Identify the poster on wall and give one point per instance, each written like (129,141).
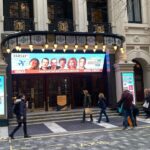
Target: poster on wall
(37,63)
(128,82)
(2,104)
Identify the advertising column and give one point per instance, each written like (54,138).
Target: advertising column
(3,100)
(128,83)
(2,90)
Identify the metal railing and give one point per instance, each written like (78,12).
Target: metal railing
(100,27)
(61,25)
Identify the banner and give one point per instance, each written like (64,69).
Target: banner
(35,63)
(128,82)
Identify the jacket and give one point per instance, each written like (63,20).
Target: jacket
(102,103)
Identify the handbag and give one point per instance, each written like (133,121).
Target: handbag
(88,111)
(120,109)
(146,104)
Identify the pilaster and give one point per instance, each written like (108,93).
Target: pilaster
(41,15)
(80,15)
(1,18)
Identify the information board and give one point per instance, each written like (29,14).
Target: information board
(128,82)
(2,90)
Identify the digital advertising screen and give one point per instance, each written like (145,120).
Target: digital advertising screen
(36,63)
(2,89)
(128,82)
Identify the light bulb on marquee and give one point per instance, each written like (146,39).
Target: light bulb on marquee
(76,46)
(46,46)
(8,50)
(75,50)
(55,46)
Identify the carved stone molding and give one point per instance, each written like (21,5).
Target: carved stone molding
(136,39)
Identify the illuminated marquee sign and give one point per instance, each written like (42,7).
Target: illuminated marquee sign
(37,63)
(2,89)
(128,82)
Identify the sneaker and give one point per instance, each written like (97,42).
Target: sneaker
(82,121)
(11,136)
(125,128)
(27,136)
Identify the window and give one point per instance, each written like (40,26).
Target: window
(134,11)
(17,9)
(19,15)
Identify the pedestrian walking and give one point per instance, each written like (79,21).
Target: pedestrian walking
(135,113)
(102,105)
(87,106)
(126,103)
(146,105)
(20,109)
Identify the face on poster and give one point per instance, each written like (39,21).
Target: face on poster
(30,63)
(128,82)
(2,104)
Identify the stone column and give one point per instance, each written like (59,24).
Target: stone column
(146,76)
(41,15)
(119,68)
(80,15)
(1,18)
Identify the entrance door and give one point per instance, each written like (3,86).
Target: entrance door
(32,86)
(56,86)
(139,87)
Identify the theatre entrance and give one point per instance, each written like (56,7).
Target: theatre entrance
(42,91)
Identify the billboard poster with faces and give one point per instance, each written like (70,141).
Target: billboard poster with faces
(37,63)
(128,82)
(2,89)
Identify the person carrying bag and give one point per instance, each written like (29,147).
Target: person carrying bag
(87,106)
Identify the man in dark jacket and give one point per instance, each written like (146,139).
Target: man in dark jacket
(21,117)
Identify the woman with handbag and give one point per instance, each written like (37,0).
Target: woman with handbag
(86,105)
(146,105)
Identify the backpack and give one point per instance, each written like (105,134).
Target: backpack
(16,108)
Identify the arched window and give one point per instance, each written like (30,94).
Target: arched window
(19,15)
(134,11)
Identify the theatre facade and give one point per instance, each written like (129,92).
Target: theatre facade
(35,68)
(77,45)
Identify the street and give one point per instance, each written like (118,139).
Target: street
(74,135)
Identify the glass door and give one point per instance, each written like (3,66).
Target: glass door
(32,87)
(57,86)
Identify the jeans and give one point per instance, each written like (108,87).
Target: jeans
(128,113)
(19,125)
(103,111)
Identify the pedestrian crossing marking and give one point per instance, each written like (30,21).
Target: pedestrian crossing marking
(103,124)
(143,120)
(54,127)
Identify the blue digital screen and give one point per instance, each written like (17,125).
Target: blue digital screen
(30,63)
(2,89)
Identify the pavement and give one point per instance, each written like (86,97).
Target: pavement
(74,135)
